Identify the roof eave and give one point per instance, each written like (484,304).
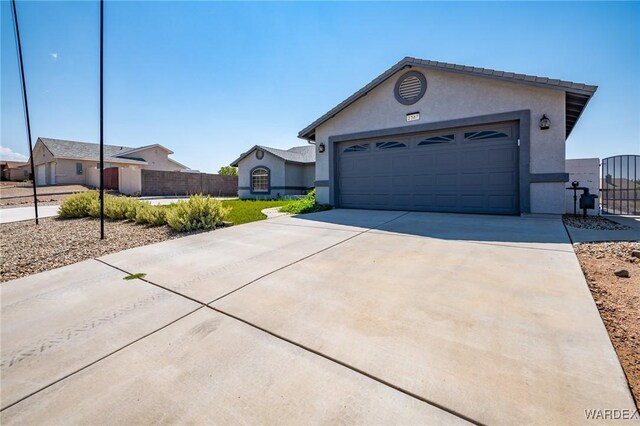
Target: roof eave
(106,160)
(243,156)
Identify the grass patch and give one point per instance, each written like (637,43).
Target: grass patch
(245,211)
(305,205)
(135,276)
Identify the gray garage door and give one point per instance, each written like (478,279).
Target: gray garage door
(468,170)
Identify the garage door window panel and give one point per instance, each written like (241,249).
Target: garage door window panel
(435,140)
(357,148)
(487,135)
(390,145)
(260,179)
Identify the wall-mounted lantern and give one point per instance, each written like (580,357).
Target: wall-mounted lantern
(321,147)
(544,122)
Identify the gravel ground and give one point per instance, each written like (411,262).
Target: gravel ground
(22,196)
(28,249)
(592,222)
(43,200)
(617,299)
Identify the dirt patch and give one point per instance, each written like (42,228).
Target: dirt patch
(21,195)
(28,249)
(617,299)
(592,222)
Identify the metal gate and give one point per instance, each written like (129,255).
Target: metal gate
(620,185)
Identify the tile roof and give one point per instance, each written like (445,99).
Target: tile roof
(578,94)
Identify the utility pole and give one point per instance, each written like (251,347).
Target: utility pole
(26,107)
(101,124)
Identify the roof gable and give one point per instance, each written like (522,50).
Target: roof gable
(577,94)
(305,154)
(143,148)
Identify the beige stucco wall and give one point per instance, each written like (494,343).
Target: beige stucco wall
(18,174)
(453,96)
(130,180)
(157,159)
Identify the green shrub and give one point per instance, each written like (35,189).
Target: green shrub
(197,213)
(305,205)
(78,205)
(150,215)
(121,208)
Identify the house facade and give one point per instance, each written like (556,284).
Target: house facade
(14,170)
(59,161)
(430,136)
(270,173)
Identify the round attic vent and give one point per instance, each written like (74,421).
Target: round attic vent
(410,88)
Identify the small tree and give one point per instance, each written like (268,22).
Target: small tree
(228,170)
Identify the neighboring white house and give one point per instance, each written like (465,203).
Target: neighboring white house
(69,162)
(265,172)
(432,136)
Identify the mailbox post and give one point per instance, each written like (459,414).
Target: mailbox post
(587,200)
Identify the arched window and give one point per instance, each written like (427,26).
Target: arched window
(260,180)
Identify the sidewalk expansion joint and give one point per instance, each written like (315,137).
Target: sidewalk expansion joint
(99,359)
(350,367)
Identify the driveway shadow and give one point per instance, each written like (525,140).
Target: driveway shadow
(448,226)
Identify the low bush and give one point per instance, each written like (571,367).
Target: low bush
(305,205)
(151,215)
(120,208)
(197,213)
(78,205)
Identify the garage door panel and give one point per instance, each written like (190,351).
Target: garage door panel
(401,200)
(356,184)
(502,179)
(502,156)
(424,182)
(447,200)
(475,180)
(473,201)
(447,180)
(445,161)
(479,176)
(399,164)
(506,202)
(402,183)
(381,165)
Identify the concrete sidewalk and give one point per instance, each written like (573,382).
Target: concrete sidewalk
(18,214)
(337,317)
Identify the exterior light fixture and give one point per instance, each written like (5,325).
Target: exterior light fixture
(321,147)
(544,122)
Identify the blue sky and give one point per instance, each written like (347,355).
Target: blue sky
(211,79)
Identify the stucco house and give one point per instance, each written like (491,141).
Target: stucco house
(68,162)
(432,136)
(14,170)
(265,172)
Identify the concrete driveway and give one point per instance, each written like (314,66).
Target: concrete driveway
(337,317)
